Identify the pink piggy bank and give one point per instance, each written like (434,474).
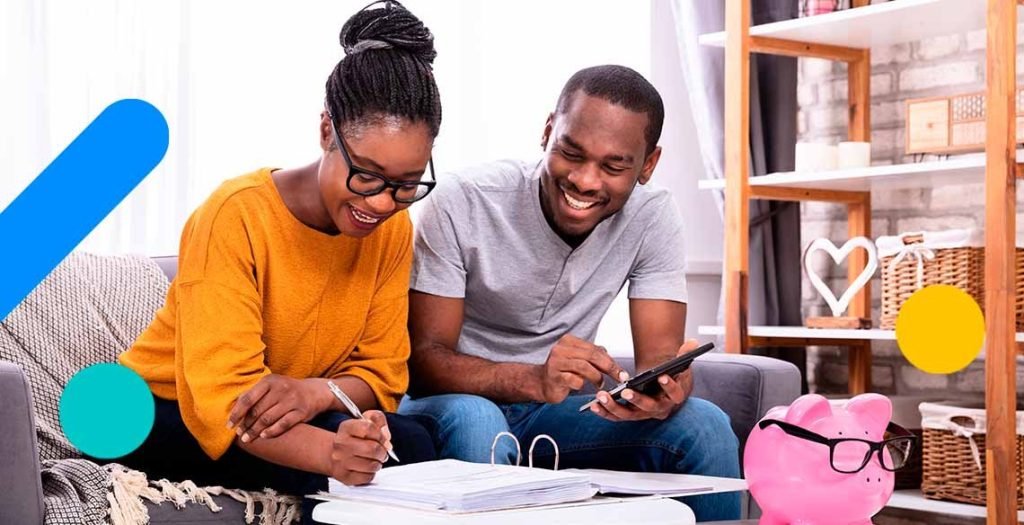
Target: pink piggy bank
(798,480)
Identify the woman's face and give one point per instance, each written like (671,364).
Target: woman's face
(396,148)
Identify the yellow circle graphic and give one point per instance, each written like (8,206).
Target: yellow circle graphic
(940,329)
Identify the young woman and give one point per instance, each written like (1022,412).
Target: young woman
(291,278)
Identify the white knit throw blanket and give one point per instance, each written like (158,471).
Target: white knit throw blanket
(87,311)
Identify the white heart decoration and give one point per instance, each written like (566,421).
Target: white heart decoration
(838,255)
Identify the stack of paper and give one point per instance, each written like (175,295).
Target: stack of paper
(457,486)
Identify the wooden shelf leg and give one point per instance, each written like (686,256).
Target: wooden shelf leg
(859,360)
(859,95)
(858,224)
(1000,233)
(737,167)
(858,220)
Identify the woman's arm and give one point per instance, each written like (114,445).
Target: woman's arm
(278,403)
(353,455)
(303,447)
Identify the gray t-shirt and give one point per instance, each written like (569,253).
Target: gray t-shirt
(482,236)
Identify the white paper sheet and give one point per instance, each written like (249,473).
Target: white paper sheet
(649,483)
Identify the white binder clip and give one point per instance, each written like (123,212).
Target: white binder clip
(519,453)
(553,444)
(494,445)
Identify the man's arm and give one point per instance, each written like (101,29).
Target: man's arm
(434,325)
(659,329)
(436,368)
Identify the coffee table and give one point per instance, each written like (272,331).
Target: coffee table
(647,511)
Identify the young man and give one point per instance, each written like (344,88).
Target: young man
(515,265)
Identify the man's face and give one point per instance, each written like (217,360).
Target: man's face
(594,155)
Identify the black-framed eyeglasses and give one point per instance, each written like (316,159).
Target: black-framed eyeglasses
(851,455)
(368,183)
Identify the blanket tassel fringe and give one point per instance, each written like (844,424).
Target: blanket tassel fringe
(130,487)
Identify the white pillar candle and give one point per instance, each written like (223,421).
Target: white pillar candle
(854,155)
(812,156)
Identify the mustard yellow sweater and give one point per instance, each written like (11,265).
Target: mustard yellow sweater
(258,292)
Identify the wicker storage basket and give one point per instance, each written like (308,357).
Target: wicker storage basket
(1018,295)
(954,453)
(919,261)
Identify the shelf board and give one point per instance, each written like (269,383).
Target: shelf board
(802,332)
(912,499)
(958,170)
(874,26)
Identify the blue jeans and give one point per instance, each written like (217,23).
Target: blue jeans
(697,439)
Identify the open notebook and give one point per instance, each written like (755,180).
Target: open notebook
(454,486)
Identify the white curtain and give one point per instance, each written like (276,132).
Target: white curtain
(703,70)
(63,63)
(241,85)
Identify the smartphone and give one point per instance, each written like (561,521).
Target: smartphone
(647,381)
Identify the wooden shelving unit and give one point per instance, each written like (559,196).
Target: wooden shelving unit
(848,36)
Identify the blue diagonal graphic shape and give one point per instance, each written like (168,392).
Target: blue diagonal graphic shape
(75,192)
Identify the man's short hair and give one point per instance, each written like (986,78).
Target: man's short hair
(621,86)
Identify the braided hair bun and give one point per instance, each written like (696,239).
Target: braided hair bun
(387,70)
(386,27)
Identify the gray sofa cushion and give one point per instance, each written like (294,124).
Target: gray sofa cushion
(169,264)
(21,489)
(745,387)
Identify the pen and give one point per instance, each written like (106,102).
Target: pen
(352,409)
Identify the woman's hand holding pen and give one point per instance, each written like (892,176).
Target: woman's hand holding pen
(360,448)
(274,405)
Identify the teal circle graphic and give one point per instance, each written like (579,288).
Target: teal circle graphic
(106,411)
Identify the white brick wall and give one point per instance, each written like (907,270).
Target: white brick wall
(921,381)
(896,54)
(944,75)
(887,113)
(881,84)
(966,196)
(939,222)
(937,47)
(895,199)
(940,66)
(976,40)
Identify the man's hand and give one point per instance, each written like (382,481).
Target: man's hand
(674,391)
(572,363)
(273,406)
(360,448)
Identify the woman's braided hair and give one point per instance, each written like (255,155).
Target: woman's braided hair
(387,70)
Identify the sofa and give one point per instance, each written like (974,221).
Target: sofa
(744,386)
